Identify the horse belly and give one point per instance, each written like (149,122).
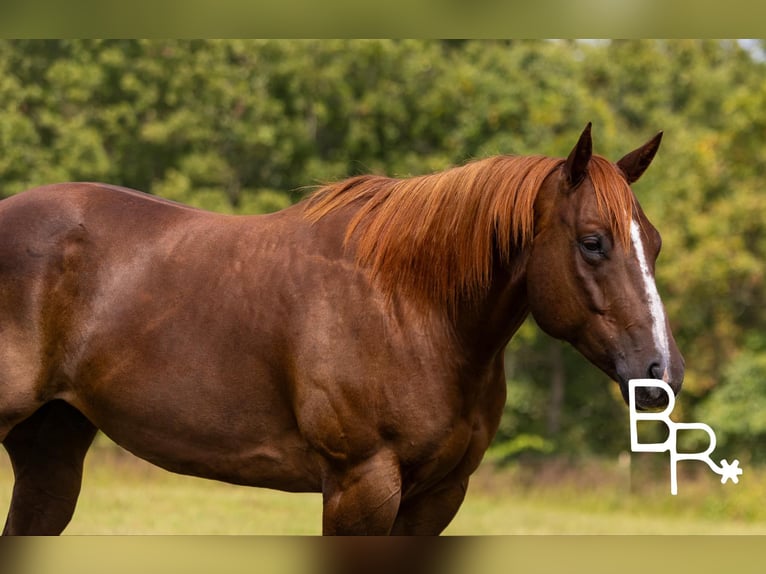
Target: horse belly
(230,437)
(194,394)
(196,388)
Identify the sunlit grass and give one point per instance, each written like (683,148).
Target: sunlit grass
(123,495)
(164,503)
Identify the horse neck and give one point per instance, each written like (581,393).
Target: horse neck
(486,326)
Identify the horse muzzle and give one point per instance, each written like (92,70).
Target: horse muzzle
(649,398)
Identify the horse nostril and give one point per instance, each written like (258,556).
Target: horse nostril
(655,371)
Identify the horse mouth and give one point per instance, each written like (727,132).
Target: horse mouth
(646,398)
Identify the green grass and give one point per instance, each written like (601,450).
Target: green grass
(483,514)
(123,495)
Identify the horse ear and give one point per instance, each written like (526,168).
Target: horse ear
(634,164)
(579,157)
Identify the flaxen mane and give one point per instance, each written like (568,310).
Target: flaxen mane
(433,237)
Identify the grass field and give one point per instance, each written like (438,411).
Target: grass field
(123,495)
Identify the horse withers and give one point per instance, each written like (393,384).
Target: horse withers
(351,344)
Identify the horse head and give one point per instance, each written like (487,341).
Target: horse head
(590,275)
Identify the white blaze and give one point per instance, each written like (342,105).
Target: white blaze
(656,310)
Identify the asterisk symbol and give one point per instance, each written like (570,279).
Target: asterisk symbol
(730,471)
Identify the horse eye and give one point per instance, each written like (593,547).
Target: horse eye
(592,248)
(592,244)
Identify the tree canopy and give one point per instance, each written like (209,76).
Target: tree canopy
(248,126)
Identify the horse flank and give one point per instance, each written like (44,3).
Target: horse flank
(432,237)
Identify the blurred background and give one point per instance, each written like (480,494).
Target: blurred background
(251,126)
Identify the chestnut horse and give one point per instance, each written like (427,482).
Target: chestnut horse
(351,344)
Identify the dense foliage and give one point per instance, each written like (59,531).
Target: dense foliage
(245,126)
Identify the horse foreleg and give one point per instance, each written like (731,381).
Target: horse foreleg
(363,499)
(430,512)
(47,452)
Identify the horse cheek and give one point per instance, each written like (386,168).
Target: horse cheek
(549,289)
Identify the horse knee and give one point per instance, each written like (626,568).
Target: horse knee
(363,499)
